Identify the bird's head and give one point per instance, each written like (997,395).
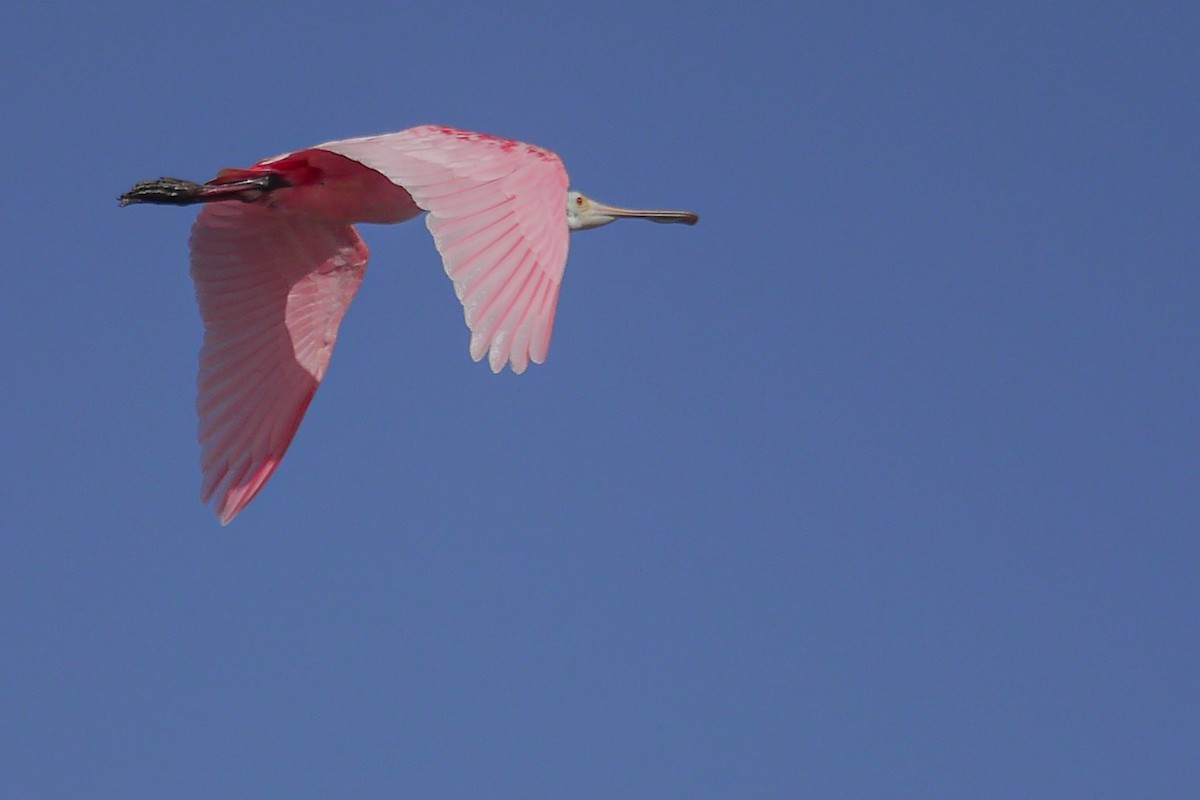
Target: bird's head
(584,213)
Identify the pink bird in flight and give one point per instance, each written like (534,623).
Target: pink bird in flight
(276,261)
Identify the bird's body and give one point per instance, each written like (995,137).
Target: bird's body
(276,261)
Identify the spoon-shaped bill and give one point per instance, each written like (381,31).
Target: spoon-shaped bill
(665,217)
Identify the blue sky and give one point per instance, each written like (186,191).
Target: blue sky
(879,482)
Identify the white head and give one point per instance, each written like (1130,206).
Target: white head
(584,213)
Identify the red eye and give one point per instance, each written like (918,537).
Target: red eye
(578,201)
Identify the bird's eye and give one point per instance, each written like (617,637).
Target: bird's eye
(578,201)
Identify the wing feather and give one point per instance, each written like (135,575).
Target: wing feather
(497,212)
(272,288)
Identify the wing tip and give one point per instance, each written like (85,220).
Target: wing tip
(234,495)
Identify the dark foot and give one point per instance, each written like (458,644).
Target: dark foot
(177,192)
(163,191)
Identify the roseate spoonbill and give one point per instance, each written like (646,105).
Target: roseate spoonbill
(276,261)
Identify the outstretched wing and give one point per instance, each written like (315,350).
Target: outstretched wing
(272,289)
(497,212)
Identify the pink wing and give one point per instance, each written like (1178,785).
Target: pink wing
(272,289)
(497,212)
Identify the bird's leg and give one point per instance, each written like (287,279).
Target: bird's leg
(178,192)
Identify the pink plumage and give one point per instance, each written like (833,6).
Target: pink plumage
(276,261)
